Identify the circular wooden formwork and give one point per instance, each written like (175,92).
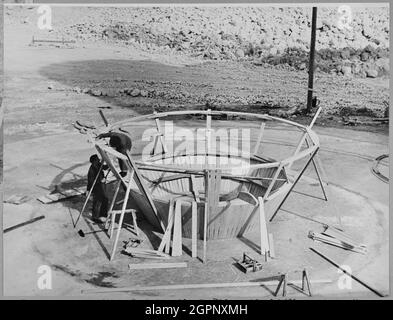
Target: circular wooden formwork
(168,178)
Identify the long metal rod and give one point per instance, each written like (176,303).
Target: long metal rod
(318,175)
(348,273)
(311,61)
(294,184)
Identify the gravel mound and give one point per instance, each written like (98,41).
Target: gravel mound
(272,35)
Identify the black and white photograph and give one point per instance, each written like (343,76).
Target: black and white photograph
(185,151)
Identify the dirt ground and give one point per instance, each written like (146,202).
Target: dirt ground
(42,150)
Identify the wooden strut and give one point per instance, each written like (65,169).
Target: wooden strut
(263,229)
(103,150)
(166,239)
(159,135)
(145,191)
(208,137)
(306,281)
(123,209)
(283,281)
(304,137)
(261,131)
(294,184)
(318,175)
(212,190)
(109,219)
(194,225)
(177,248)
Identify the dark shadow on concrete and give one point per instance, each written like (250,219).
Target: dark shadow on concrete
(111,75)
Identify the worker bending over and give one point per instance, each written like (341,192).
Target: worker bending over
(122,143)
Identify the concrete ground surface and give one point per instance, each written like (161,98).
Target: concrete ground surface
(42,150)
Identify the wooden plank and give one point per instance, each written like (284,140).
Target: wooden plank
(195,188)
(171,178)
(194,225)
(63,194)
(263,227)
(261,131)
(166,238)
(144,266)
(177,248)
(160,134)
(121,220)
(110,211)
(147,256)
(202,286)
(212,191)
(273,182)
(341,236)
(338,243)
(145,191)
(271,246)
(247,197)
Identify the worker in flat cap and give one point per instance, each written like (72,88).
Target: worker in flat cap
(100,199)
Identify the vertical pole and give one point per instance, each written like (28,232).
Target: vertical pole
(311,61)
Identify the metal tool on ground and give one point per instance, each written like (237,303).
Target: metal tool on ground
(248,264)
(348,273)
(23,224)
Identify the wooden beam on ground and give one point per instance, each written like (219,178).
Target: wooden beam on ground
(144,266)
(201,286)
